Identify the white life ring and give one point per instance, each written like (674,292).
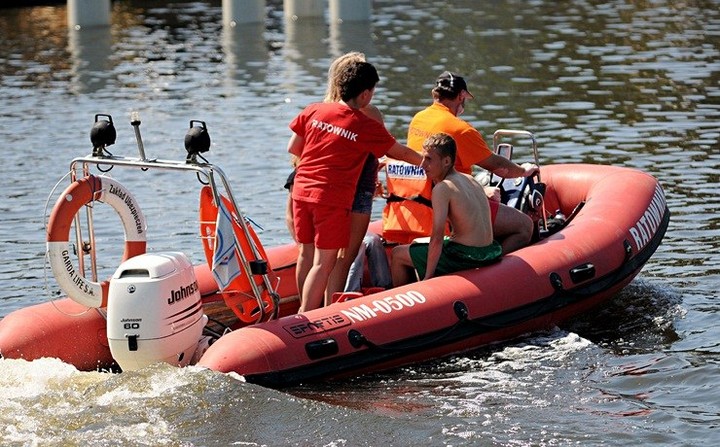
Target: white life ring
(79,193)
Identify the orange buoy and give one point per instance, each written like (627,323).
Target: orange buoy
(78,194)
(238,295)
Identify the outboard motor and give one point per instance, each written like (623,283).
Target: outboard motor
(154,311)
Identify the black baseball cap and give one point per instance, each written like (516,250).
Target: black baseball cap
(452,82)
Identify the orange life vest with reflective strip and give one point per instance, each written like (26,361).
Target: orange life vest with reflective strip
(408,212)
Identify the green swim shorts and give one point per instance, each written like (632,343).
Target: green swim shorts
(454,257)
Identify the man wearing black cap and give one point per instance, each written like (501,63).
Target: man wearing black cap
(512,227)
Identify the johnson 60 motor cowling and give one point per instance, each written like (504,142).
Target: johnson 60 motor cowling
(154,311)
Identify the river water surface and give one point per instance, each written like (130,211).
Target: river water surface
(630,83)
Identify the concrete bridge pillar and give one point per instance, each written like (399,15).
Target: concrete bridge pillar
(243,11)
(88,13)
(298,9)
(350,10)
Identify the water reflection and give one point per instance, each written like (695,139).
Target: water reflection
(32,48)
(352,36)
(306,53)
(246,52)
(90,50)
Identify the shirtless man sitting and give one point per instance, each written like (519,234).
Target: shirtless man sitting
(460,200)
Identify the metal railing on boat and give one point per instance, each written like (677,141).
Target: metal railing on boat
(207,173)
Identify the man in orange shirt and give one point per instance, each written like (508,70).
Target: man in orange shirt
(510,226)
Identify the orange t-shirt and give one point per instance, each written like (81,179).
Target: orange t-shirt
(404,220)
(471,147)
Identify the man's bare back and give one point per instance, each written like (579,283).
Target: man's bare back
(456,199)
(467,209)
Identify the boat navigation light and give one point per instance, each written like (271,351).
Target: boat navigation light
(102,133)
(197,140)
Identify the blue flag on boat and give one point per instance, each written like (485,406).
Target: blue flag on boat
(226,265)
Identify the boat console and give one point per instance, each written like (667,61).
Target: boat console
(526,194)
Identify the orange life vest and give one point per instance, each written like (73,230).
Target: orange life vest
(408,212)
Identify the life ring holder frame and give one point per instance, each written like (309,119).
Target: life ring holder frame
(82,192)
(197,141)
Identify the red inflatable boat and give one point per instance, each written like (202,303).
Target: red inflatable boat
(156,306)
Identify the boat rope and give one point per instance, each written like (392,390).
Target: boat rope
(53,294)
(560,298)
(212,332)
(357,339)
